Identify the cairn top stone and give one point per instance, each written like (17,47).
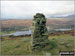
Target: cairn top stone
(39,15)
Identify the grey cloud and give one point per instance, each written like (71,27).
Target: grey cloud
(26,9)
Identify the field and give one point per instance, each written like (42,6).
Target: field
(63,41)
(22,46)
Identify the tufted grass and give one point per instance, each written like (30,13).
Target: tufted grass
(22,46)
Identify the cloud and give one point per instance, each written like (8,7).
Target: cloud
(26,9)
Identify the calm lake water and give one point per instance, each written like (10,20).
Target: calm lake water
(18,33)
(62,29)
(29,32)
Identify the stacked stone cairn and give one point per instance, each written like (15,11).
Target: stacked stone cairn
(39,32)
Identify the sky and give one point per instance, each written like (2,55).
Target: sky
(27,9)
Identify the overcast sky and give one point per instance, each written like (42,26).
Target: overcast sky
(27,9)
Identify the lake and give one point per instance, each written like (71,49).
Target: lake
(29,32)
(62,29)
(19,33)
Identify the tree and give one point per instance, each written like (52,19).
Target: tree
(39,32)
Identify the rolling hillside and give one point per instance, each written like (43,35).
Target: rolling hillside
(27,23)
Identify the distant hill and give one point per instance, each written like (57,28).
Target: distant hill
(52,23)
(63,16)
(70,16)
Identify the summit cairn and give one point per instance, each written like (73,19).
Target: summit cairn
(39,32)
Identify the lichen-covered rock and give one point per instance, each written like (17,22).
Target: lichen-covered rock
(39,30)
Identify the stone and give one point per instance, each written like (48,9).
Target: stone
(39,32)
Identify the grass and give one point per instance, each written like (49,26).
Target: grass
(5,32)
(22,46)
(64,43)
(1,33)
(12,46)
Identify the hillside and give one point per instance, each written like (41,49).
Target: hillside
(53,23)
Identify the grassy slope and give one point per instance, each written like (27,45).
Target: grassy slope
(64,43)
(22,45)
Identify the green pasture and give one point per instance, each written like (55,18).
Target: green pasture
(22,46)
